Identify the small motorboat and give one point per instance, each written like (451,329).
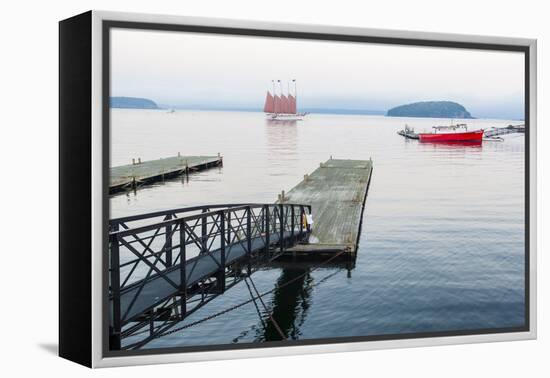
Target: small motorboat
(452,133)
(408,132)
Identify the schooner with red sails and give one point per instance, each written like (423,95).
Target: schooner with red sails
(281,107)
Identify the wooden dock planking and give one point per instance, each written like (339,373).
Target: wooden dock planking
(337,192)
(146,172)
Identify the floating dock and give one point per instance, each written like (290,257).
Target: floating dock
(146,172)
(337,192)
(510,129)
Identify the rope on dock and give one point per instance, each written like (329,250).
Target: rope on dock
(239,305)
(279,330)
(255,304)
(308,286)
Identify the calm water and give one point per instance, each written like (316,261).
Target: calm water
(443,230)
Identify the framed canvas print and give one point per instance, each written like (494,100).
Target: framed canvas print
(232,189)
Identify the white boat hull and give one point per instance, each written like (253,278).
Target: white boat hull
(286,117)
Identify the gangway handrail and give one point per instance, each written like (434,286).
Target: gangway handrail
(131,218)
(191,255)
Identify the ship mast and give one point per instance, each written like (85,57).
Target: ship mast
(281,108)
(295,97)
(288,88)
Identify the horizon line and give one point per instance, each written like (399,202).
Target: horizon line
(335,111)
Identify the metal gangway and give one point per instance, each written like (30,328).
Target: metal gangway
(163,266)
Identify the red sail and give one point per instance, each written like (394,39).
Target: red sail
(277,104)
(292,104)
(269,106)
(285,108)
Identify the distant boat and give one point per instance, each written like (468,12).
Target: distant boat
(452,133)
(282,107)
(408,132)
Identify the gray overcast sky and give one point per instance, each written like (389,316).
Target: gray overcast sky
(187,69)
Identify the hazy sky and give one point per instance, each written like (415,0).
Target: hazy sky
(201,70)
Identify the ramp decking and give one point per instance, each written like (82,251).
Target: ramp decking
(337,193)
(146,172)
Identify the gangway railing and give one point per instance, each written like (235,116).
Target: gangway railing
(165,265)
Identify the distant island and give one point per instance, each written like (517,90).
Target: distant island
(133,103)
(430,109)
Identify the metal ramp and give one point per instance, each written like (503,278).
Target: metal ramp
(166,265)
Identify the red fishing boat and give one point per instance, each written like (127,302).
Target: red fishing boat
(452,133)
(280,107)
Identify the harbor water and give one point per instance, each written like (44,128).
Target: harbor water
(443,236)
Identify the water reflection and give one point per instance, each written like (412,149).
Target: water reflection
(281,122)
(282,137)
(289,305)
(455,144)
(292,299)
